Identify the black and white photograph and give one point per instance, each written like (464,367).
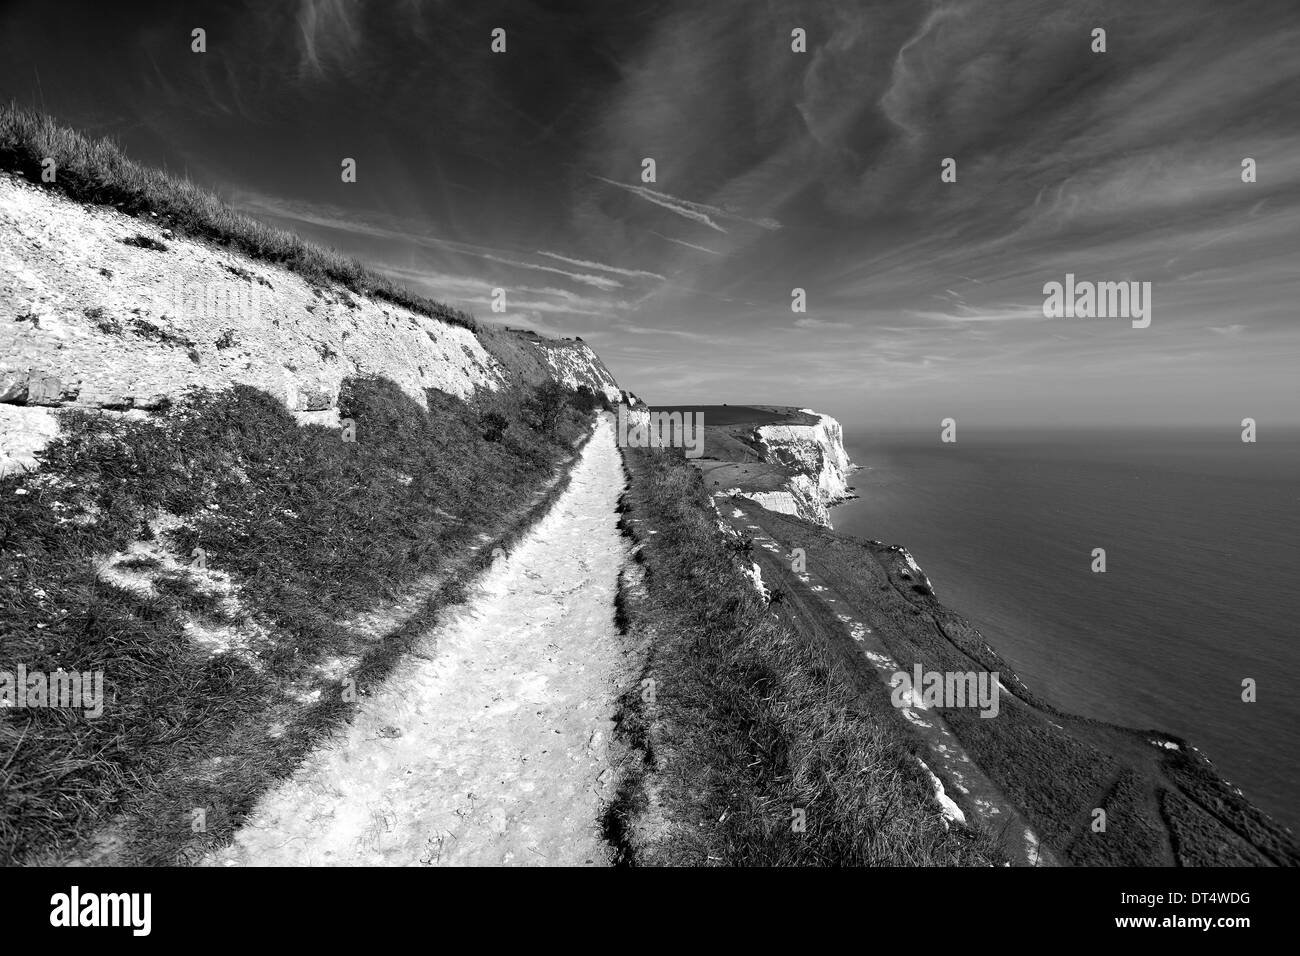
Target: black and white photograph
(840,435)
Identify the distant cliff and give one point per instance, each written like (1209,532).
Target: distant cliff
(789,460)
(811,448)
(816,452)
(800,497)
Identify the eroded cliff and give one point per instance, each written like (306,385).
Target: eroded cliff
(816,452)
(804,466)
(104,311)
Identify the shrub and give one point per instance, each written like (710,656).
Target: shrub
(494,425)
(545,407)
(586,401)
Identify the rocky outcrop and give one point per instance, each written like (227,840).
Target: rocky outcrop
(814,450)
(800,498)
(573,363)
(816,453)
(99,310)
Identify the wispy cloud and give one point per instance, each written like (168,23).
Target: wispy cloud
(588,264)
(669,333)
(476,292)
(966,314)
(819,171)
(596,282)
(683,242)
(327,31)
(695,211)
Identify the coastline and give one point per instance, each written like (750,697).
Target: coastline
(1184,611)
(1165,800)
(1155,777)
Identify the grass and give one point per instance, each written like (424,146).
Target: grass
(306,532)
(1163,806)
(98,171)
(748,722)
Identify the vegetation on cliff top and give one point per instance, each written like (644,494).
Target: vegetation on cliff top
(98,171)
(751,748)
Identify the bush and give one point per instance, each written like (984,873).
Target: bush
(494,425)
(545,407)
(586,401)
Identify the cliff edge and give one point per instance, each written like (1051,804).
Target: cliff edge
(816,453)
(789,460)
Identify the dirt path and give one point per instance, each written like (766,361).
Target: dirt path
(490,745)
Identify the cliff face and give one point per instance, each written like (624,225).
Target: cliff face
(574,363)
(816,453)
(815,450)
(104,311)
(800,498)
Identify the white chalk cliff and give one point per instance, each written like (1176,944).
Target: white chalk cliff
(574,364)
(816,452)
(89,319)
(799,498)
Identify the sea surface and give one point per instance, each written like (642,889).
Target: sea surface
(1201,589)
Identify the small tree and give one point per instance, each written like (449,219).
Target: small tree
(546,407)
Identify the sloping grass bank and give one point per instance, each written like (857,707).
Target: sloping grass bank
(217,564)
(1165,805)
(747,746)
(97,171)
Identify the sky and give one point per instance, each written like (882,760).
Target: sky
(774,170)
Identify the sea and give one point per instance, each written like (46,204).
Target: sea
(1201,588)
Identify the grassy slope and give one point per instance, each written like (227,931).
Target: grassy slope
(1162,805)
(311,531)
(97,171)
(749,721)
